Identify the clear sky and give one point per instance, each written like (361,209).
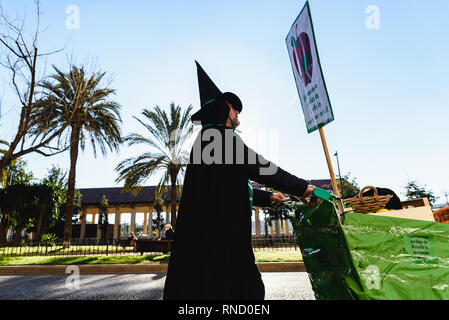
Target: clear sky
(388,87)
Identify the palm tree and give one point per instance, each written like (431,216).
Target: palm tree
(167,135)
(80,100)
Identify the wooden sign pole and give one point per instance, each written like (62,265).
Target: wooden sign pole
(323,141)
(329,165)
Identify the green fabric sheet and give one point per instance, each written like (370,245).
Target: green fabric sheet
(399,258)
(372,257)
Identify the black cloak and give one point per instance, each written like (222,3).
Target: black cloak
(212,256)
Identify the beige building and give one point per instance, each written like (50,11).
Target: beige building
(121,205)
(124,209)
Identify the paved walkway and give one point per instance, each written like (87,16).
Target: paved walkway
(278,285)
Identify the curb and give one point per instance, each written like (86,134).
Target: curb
(130,268)
(281,266)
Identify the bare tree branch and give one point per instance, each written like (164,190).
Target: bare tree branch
(22,58)
(53,153)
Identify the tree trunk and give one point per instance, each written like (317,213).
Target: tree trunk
(6,159)
(158,224)
(173,199)
(4,229)
(74,142)
(4,163)
(104,226)
(18,231)
(40,222)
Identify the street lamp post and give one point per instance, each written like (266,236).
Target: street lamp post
(339,174)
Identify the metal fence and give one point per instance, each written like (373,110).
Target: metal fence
(77,248)
(85,247)
(275,243)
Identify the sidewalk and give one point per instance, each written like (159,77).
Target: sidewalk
(131,268)
(143,287)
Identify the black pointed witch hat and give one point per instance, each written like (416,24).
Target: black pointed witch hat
(208,89)
(213,106)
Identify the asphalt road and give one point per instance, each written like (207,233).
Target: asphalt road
(278,286)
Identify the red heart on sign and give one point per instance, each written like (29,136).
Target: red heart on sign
(302,56)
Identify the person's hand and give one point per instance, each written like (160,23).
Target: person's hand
(308,191)
(307,194)
(277,197)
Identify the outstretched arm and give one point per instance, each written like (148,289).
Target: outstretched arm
(267,173)
(261,198)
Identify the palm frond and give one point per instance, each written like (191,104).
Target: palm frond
(167,134)
(78,98)
(135,171)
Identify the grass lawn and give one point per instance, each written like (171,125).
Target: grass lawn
(64,260)
(261,256)
(278,256)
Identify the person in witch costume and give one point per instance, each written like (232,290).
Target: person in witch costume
(212,255)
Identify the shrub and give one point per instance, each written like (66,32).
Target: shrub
(49,239)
